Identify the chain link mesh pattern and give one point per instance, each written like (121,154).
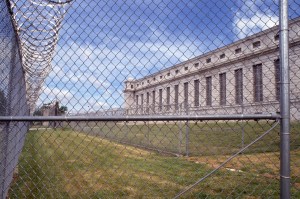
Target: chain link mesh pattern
(135,76)
(12,101)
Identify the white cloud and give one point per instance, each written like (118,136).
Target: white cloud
(94,73)
(252,18)
(92,76)
(58,93)
(89,105)
(51,94)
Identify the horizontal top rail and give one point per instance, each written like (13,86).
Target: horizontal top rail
(272,116)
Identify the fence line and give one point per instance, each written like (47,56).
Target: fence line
(273,116)
(212,81)
(225,162)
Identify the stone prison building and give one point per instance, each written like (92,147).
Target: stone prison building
(242,77)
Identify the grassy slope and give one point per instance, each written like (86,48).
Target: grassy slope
(68,164)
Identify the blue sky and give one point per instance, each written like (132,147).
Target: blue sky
(103,43)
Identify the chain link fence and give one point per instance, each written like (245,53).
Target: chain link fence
(149,99)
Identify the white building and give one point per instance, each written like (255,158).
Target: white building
(242,77)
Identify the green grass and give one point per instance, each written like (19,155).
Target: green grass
(203,138)
(71,164)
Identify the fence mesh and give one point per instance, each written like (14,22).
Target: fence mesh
(12,100)
(141,99)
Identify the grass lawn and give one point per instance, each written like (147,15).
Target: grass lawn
(195,139)
(71,164)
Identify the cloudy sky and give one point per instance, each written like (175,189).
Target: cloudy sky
(102,43)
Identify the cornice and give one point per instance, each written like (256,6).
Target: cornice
(245,57)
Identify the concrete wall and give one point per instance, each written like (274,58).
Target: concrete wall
(198,69)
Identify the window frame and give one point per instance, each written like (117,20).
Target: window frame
(239,86)
(208,91)
(256,44)
(196,92)
(257,82)
(222,82)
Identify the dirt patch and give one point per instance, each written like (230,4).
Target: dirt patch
(264,163)
(155,179)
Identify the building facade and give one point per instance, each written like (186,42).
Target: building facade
(242,77)
(51,109)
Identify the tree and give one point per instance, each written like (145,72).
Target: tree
(63,109)
(58,110)
(38,112)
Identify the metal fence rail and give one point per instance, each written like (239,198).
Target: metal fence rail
(158,99)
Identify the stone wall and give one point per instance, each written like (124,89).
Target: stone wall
(243,54)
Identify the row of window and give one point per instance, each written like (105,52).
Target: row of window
(238,75)
(255,44)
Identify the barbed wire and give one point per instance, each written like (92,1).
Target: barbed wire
(37,24)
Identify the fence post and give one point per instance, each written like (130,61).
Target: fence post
(126,130)
(187,130)
(243,125)
(147,133)
(187,140)
(180,138)
(284,102)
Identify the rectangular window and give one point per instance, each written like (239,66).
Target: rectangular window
(257,83)
(153,100)
(208,91)
(256,44)
(186,68)
(238,50)
(208,60)
(222,78)
(196,65)
(238,74)
(196,92)
(147,102)
(277,79)
(148,99)
(160,100)
(186,94)
(222,56)
(168,98)
(176,88)
(142,101)
(276,37)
